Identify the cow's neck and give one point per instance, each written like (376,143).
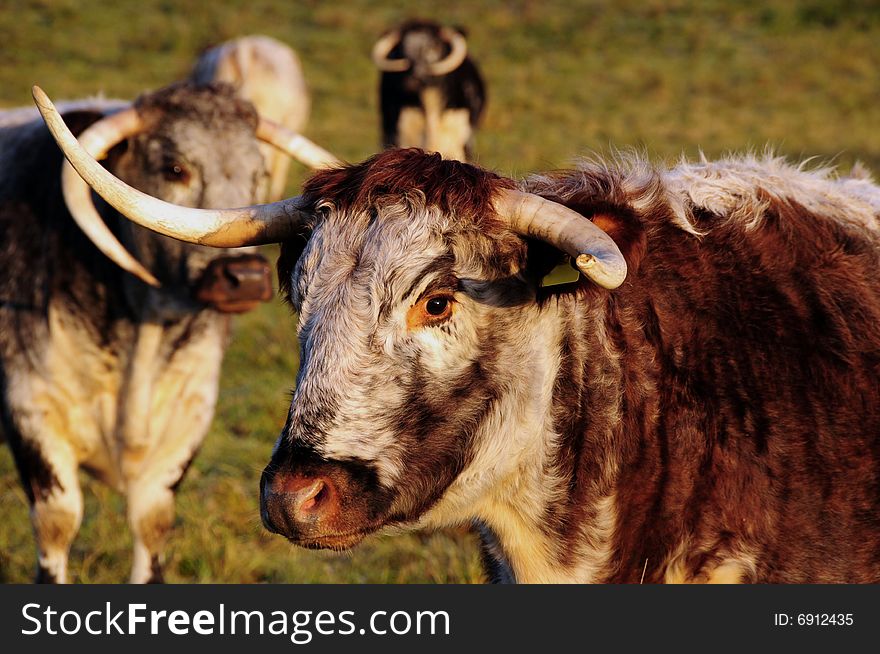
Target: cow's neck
(553,507)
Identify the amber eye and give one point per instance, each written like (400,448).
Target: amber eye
(430,312)
(437,306)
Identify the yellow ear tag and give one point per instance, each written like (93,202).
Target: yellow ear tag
(564,273)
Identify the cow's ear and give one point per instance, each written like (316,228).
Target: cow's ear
(116,153)
(291,250)
(627,232)
(80,120)
(553,267)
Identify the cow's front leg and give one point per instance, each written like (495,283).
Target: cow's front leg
(151,502)
(49,474)
(151,493)
(181,408)
(151,517)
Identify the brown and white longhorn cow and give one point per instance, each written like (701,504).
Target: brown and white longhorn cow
(704,406)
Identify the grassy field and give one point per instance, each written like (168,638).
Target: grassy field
(565,77)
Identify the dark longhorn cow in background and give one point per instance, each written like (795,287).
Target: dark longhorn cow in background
(100,369)
(431,93)
(703,406)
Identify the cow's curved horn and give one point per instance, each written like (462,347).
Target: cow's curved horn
(97,141)
(456,55)
(223,228)
(295,145)
(593,251)
(380,54)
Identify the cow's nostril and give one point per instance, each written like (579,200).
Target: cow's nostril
(312,498)
(296,504)
(232,277)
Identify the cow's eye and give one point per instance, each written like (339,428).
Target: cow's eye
(437,306)
(174,171)
(430,311)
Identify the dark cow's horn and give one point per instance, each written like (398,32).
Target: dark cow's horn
(97,141)
(380,54)
(223,228)
(456,56)
(295,145)
(593,251)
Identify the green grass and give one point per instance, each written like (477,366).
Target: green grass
(565,77)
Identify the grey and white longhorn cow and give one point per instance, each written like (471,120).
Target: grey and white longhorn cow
(114,372)
(703,406)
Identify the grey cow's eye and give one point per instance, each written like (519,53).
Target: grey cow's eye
(175,172)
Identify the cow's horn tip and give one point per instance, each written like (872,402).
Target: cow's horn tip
(39,95)
(608,277)
(149,279)
(585,262)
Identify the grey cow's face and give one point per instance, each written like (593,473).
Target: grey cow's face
(189,163)
(193,164)
(406,326)
(198,149)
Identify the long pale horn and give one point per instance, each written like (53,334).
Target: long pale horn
(593,251)
(380,54)
(456,55)
(295,145)
(222,228)
(97,141)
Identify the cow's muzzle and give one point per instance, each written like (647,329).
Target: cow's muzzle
(317,506)
(235,284)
